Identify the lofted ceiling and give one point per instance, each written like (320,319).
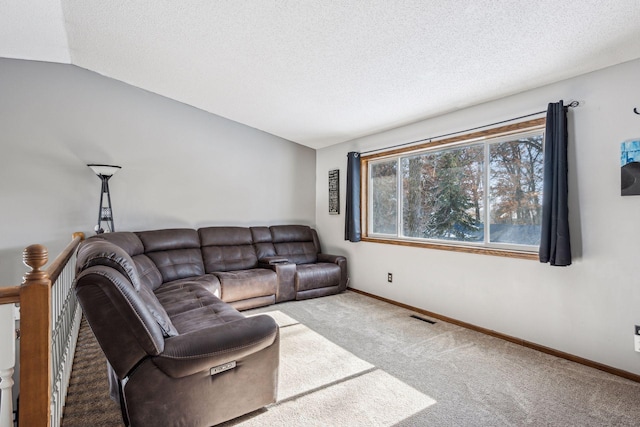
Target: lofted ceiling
(320,72)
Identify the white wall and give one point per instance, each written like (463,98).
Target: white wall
(181,167)
(588,309)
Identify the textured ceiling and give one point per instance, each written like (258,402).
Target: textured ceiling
(322,72)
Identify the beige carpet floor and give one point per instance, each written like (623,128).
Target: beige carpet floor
(88,402)
(349,360)
(322,384)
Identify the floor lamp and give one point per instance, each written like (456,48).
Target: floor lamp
(105,213)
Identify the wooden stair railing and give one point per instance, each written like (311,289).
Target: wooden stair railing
(34,297)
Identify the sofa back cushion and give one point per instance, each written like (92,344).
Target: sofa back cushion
(295,242)
(157,312)
(100,252)
(175,252)
(118,316)
(227,249)
(262,242)
(148,273)
(127,240)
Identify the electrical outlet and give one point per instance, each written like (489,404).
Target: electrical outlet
(389,277)
(636,342)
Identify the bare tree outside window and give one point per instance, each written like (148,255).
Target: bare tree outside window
(516,190)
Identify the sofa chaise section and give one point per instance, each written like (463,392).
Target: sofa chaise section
(189,360)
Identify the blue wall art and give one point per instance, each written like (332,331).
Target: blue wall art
(630,168)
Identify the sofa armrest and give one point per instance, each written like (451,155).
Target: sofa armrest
(286,272)
(271,260)
(206,348)
(334,259)
(342,263)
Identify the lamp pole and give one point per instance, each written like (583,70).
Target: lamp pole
(105,213)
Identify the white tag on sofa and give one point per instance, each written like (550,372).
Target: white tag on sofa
(221,368)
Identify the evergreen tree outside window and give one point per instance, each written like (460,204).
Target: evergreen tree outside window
(442,193)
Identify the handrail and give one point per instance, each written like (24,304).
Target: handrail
(10,295)
(58,264)
(35,330)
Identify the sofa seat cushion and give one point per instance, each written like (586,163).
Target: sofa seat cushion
(211,312)
(313,276)
(187,294)
(244,284)
(191,304)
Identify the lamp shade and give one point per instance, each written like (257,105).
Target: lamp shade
(104,170)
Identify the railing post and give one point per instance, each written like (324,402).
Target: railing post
(35,340)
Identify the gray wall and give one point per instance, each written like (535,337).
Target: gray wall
(181,167)
(588,309)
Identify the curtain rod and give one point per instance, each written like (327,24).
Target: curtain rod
(573,104)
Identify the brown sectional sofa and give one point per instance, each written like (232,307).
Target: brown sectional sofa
(164,304)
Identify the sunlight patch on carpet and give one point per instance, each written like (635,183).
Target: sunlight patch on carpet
(281,319)
(321,384)
(373,399)
(309,361)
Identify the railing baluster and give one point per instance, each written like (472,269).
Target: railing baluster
(7,363)
(65,326)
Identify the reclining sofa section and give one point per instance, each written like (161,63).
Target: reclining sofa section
(163,307)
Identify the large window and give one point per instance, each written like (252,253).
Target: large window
(481,191)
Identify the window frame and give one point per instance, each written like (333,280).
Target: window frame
(496,249)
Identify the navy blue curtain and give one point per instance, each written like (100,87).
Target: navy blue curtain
(352,218)
(555,245)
